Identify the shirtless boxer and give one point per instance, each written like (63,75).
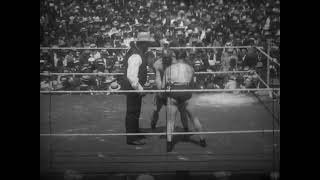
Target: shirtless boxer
(160,99)
(179,76)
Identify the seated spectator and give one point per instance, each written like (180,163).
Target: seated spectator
(104,23)
(232,84)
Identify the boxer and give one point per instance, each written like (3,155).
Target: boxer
(160,99)
(179,75)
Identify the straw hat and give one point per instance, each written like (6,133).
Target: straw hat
(144,36)
(114,86)
(109,79)
(93,45)
(153,15)
(115,23)
(259,65)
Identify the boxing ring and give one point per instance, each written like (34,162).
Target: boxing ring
(84,132)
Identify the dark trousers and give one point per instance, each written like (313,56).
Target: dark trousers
(133,113)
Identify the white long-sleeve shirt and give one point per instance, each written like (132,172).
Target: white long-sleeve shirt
(134,62)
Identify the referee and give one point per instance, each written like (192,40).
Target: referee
(135,64)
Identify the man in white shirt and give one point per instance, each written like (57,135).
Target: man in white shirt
(135,77)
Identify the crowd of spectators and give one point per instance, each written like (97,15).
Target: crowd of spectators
(178,23)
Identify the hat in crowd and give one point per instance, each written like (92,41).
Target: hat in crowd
(99,6)
(91,59)
(144,36)
(100,61)
(107,26)
(182,4)
(266,33)
(153,15)
(122,25)
(259,65)
(189,31)
(93,46)
(179,32)
(114,86)
(195,31)
(181,12)
(84,68)
(115,23)
(243,32)
(248,20)
(232,77)
(109,79)
(197,63)
(165,41)
(63,78)
(84,87)
(85,78)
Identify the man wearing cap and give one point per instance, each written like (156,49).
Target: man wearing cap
(135,77)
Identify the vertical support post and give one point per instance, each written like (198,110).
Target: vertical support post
(268,65)
(268,62)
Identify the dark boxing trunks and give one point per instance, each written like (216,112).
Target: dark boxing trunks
(180,97)
(161,99)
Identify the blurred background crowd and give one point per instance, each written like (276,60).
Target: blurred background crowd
(176,23)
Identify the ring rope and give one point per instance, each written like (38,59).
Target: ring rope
(164,133)
(222,72)
(164,90)
(156,48)
(266,84)
(268,56)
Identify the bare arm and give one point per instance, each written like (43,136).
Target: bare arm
(165,78)
(158,69)
(158,79)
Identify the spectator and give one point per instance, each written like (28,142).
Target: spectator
(115,24)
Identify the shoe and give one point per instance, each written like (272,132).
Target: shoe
(136,142)
(203,143)
(169,146)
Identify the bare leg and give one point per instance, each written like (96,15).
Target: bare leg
(196,122)
(172,110)
(184,117)
(155,114)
